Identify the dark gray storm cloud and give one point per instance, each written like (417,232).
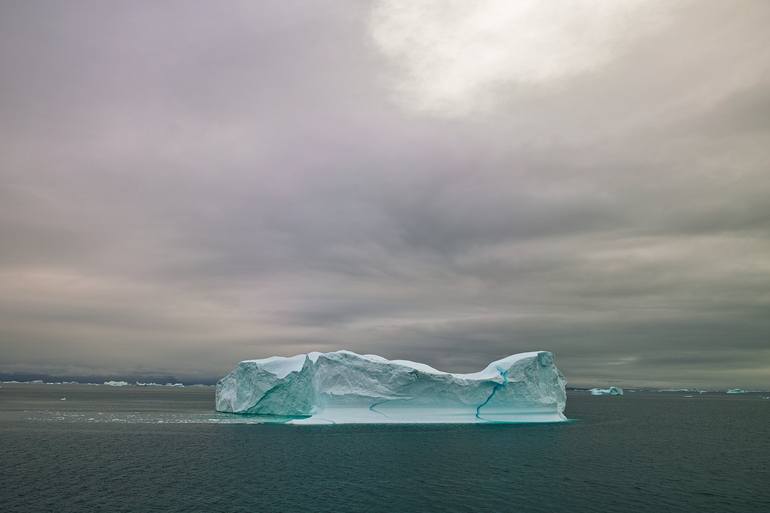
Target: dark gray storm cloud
(187,184)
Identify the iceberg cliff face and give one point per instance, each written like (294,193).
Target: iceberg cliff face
(345,387)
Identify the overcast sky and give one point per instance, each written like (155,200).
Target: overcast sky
(184,185)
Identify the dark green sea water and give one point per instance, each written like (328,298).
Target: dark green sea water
(136,449)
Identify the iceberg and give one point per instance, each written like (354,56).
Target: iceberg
(736,391)
(116,383)
(607,391)
(153,384)
(345,387)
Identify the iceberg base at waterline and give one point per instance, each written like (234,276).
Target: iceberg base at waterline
(343,387)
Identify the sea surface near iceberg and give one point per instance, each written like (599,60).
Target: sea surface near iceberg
(145,449)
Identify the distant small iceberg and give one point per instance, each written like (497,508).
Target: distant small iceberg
(116,383)
(607,391)
(736,391)
(153,384)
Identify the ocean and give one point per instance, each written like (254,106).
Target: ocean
(162,449)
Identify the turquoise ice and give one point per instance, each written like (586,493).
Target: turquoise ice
(345,387)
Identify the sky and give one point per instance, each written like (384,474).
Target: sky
(184,185)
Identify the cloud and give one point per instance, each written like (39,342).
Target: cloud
(452,56)
(182,187)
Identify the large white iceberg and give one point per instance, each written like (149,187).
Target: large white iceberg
(345,387)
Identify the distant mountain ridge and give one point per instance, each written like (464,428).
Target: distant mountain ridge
(101,378)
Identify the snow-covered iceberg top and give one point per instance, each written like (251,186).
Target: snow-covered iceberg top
(607,391)
(345,387)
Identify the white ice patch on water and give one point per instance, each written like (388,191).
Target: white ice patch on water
(607,391)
